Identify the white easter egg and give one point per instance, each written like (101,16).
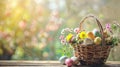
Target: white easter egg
(75,60)
(88,41)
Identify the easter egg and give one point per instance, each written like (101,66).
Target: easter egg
(75,60)
(69,62)
(88,41)
(96,33)
(62,59)
(97,40)
(90,35)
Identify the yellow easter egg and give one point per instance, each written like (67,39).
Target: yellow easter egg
(97,40)
(90,35)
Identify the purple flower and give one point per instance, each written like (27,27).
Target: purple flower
(108,27)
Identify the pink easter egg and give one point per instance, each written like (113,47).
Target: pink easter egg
(69,62)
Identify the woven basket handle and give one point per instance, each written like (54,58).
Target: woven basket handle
(99,25)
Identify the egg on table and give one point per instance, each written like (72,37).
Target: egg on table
(75,60)
(62,59)
(69,62)
(97,40)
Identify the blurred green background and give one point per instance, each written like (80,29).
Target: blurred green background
(30,29)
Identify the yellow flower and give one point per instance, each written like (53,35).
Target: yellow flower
(83,35)
(68,37)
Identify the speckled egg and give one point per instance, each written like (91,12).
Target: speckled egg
(62,59)
(75,60)
(88,41)
(96,33)
(69,62)
(97,40)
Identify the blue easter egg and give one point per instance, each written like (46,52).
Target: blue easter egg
(62,59)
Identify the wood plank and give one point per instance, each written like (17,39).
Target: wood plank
(31,63)
(48,64)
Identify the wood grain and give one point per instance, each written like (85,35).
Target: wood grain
(23,63)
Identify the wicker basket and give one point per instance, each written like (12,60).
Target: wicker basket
(92,54)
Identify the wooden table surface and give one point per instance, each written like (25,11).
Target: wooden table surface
(4,63)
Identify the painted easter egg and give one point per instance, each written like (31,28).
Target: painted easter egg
(90,35)
(97,40)
(88,41)
(69,62)
(62,59)
(96,33)
(75,60)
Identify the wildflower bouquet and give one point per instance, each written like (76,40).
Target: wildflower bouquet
(89,47)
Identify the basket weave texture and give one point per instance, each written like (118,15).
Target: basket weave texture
(92,54)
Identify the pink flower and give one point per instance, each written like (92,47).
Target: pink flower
(108,27)
(63,41)
(76,30)
(61,37)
